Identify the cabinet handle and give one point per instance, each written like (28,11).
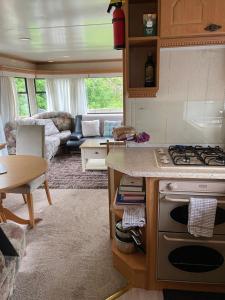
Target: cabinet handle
(96,152)
(213,27)
(197,241)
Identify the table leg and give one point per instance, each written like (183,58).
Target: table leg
(6,214)
(2,215)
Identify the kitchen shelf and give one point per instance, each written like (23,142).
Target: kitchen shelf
(142,92)
(142,40)
(138,47)
(132,266)
(135,261)
(117,212)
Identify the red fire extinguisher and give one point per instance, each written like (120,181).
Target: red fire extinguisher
(118,24)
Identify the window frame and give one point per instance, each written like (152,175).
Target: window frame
(107,111)
(24,93)
(39,93)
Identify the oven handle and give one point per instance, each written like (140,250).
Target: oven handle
(169,239)
(177,200)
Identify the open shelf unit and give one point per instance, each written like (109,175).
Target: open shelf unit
(132,266)
(138,46)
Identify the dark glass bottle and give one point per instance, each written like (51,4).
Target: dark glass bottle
(149,71)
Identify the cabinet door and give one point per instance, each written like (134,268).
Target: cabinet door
(183,18)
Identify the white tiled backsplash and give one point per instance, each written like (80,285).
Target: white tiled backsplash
(189,107)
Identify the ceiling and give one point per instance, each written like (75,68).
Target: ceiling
(59,30)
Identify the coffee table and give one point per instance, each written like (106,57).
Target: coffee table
(93,154)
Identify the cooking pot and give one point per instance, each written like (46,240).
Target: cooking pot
(130,234)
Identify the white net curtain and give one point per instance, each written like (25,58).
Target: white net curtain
(67,95)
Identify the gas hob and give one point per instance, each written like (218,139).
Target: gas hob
(190,156)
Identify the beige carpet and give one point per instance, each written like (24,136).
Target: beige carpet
(68,253)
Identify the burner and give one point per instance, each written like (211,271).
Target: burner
(220,159)
(197,155)
(186,159)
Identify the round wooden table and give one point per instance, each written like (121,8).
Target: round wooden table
(21,169)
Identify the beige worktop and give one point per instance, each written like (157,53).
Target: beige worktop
(141,162)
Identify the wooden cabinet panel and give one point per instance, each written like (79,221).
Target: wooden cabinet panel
(185,18)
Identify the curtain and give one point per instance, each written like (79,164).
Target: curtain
(4,151)
(8,99)
(78,96)
(67,95)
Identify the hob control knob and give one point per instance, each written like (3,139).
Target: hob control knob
(171,186)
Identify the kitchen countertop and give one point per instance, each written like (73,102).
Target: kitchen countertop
(141,162)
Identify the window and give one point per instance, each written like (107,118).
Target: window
(40,90)
(23,99)
(104,94)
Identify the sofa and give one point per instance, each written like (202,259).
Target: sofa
(64,123)
(77,137)
(9,264)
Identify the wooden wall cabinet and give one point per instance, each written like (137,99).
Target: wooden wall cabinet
(189,18)
(179,23)
(138,46)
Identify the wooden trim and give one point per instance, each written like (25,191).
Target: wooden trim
(17,70)
(79,71)
(151,238)
(195,41)
(78,61)
(124,88)
(19,58)
(15,57)
(58,72)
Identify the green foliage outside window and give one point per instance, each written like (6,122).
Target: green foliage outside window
(23,103)
(105,93)
(41,98)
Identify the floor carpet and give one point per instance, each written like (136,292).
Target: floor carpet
(65,172)
(68,254)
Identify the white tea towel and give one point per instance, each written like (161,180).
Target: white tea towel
(201,216)
(133,217)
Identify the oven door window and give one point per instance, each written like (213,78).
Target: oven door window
(195,259)
(180,215)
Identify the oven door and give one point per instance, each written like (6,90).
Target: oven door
(173,213)
(184,258)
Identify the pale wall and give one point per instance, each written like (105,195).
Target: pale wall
(189,107)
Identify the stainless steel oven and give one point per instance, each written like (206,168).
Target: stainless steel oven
(182,257)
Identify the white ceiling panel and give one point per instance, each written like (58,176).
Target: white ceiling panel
(81,30)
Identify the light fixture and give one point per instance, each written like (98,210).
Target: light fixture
(24,38)
(50,61)
(66,56)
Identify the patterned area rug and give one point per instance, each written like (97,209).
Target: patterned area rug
(65,172)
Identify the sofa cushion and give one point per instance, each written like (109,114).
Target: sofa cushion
(76,136)
(50,128)
(62,123)
(26,121)
(2,262)
(108,127)
(64,136)
(52,143)
(90,128)
(102,118)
